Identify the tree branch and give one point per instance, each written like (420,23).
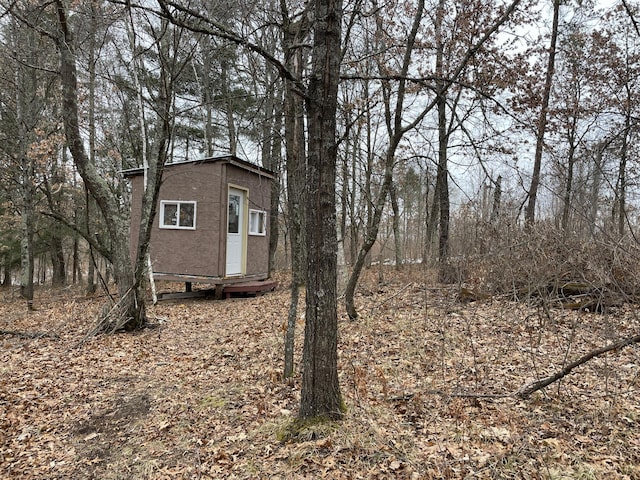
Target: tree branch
(105,252)
(527,390)
(209,26)
(631,16)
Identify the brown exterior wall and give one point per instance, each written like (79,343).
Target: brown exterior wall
(259,198)
(201,252)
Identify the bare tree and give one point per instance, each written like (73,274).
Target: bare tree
(396,88)
(129,312)
(541,127)
(294,35)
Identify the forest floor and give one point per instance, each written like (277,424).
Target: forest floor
(428,383)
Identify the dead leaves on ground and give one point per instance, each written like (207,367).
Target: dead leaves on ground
(200,396)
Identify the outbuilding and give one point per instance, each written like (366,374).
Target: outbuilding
(211,223)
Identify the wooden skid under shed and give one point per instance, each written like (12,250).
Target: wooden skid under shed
(250,287)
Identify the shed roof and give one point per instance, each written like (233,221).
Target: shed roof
(231,159)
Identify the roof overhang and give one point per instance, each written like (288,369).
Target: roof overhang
(230,159)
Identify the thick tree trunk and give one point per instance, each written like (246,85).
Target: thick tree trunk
(443,191)
(320,396)
(432,220)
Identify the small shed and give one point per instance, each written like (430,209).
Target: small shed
(211,222)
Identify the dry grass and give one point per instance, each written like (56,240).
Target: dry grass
(426,381)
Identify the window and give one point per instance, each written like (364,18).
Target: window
(257,222)
(233,221)
(178,215)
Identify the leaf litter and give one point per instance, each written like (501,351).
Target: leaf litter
(428,382)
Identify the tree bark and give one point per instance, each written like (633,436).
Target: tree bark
(397,240)
(530,210)
(131,308)
(620,217)
(27,234)
(295,34)
(271,155)
(497,197)
(320,396)
(26,182)
(442,177)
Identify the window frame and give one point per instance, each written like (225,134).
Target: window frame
(177,203)
(263,231)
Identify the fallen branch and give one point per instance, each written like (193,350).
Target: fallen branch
(29,334)
(527,390)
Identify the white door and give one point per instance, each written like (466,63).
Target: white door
(235,232)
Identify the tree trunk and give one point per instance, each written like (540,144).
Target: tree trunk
(432,219)
(620,218)
(56,247)
(59,274)
(26,241)
(397,240)
(596,181)
(530,210)
(226,91)
(320,396)
(27,182)
(371,234)
(272,157)
(443,191)
(294,36)
(442,177)
(131,307)
(568,189)
(497,196)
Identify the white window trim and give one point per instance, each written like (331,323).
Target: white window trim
(263,233)
(163,203)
